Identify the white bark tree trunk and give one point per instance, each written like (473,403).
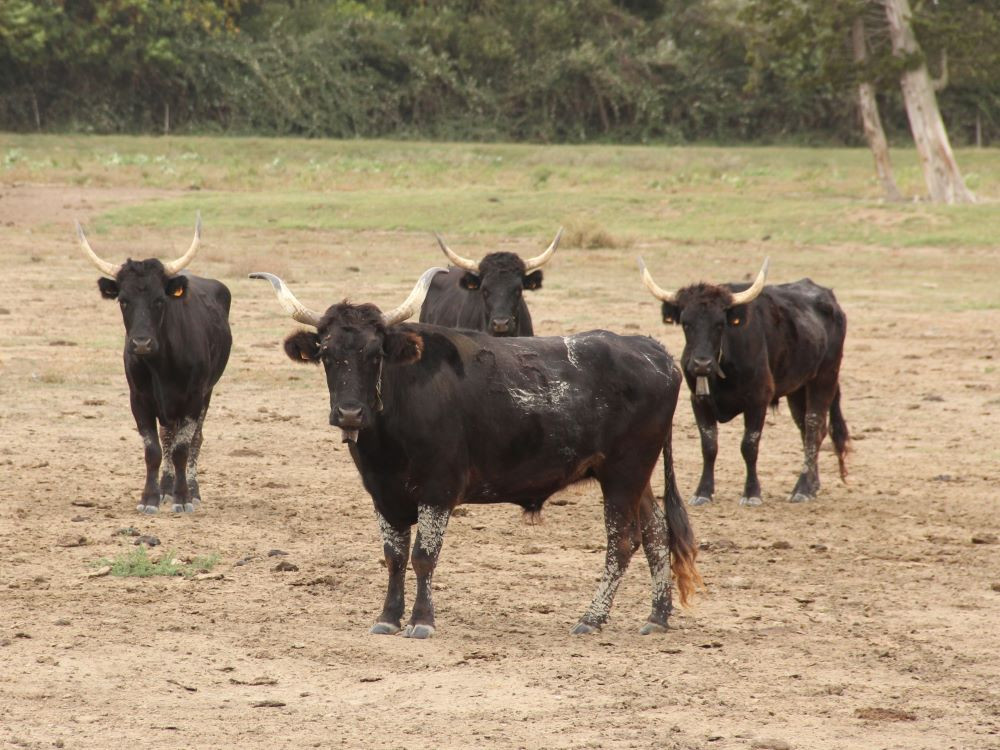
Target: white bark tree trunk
(868,107)
(941,173)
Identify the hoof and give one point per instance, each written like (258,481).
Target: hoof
(183,508)
(652,627)
(801,497)
(384,628)
(700,500)
(147,508)
(583,628)
(751,502)
(418,631)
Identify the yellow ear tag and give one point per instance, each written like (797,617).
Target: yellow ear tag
(178,292)
(736,321)
(304,356)
(668,319)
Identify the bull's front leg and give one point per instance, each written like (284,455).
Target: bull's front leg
(753,425)
(708,430)
(396,547)
(145,421)
(431,524)
(180,450)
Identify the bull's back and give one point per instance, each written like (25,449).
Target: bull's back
(805,332)
(201,335)
(448,304)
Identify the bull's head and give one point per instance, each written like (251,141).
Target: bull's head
(353,342)
(501,278)
(143,289)
(704,311)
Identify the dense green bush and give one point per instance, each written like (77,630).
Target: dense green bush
(573,70)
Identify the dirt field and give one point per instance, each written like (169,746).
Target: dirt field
(867,619)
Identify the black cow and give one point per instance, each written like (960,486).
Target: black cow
(745,347)
(486,296)
(177,343)
(436,417)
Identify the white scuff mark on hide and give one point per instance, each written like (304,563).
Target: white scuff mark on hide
(391,538)
(570,343)
(550,397)
(431,525)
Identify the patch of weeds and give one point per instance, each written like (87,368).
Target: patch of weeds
(137,564)
(589,235)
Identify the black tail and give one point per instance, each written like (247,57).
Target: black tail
(839,434)
(683,549)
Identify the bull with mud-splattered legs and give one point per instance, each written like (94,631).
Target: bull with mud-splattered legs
(436,417)
(177,343)
(746,346)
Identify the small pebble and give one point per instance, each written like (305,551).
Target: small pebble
(285,566)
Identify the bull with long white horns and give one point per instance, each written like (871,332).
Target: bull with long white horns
(177,343)
(435,417)
(486,295)
(747,346)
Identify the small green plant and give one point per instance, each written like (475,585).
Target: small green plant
(137,564)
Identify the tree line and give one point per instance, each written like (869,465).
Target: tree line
(538,70)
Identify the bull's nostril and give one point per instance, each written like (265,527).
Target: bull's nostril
(500,325)
(346,417)
(142,345)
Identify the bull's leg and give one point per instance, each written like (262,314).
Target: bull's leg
(753,425)
(620,519)
(192,463)
(813,431)
(396,547)
(145,421)
(431,524)
(709,431)
(179,455)
(167,432)
(653,524)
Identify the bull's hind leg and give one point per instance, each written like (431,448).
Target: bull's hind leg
(396,547)
(431,524)
(620,521)
(809,406)
(179,453)
(653,525)
(192,462)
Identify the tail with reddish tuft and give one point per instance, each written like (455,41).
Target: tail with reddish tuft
(839,434)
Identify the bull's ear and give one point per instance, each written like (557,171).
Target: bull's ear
(533,280)
(403,347)
(470,281)
(176,286)
(303,346)
(108,287)
(737,316)
(671,313)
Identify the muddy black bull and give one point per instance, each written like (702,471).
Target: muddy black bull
(747,346)
(435,417)
(486,295)
(177,343)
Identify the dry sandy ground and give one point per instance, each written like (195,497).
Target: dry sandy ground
(867,619)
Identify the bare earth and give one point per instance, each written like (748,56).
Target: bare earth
(866,619)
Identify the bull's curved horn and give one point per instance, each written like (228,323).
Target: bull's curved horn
(464,263)
(412,303)
(287,300)
(741,298)
(175,266)
(105,267)
(658,291)
(540,260)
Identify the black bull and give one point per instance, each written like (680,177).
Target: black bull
(745,347)
(486,295)
(177,343)
(437,417)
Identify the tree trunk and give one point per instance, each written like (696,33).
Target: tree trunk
(870,118)
(944,181)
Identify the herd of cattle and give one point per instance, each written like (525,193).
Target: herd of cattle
(467,406)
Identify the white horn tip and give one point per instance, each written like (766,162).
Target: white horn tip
(197,225)
(275,281)
(79,229)
(642,266)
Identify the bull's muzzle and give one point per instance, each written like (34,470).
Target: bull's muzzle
(348,419)
(141,346)
(500,325)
